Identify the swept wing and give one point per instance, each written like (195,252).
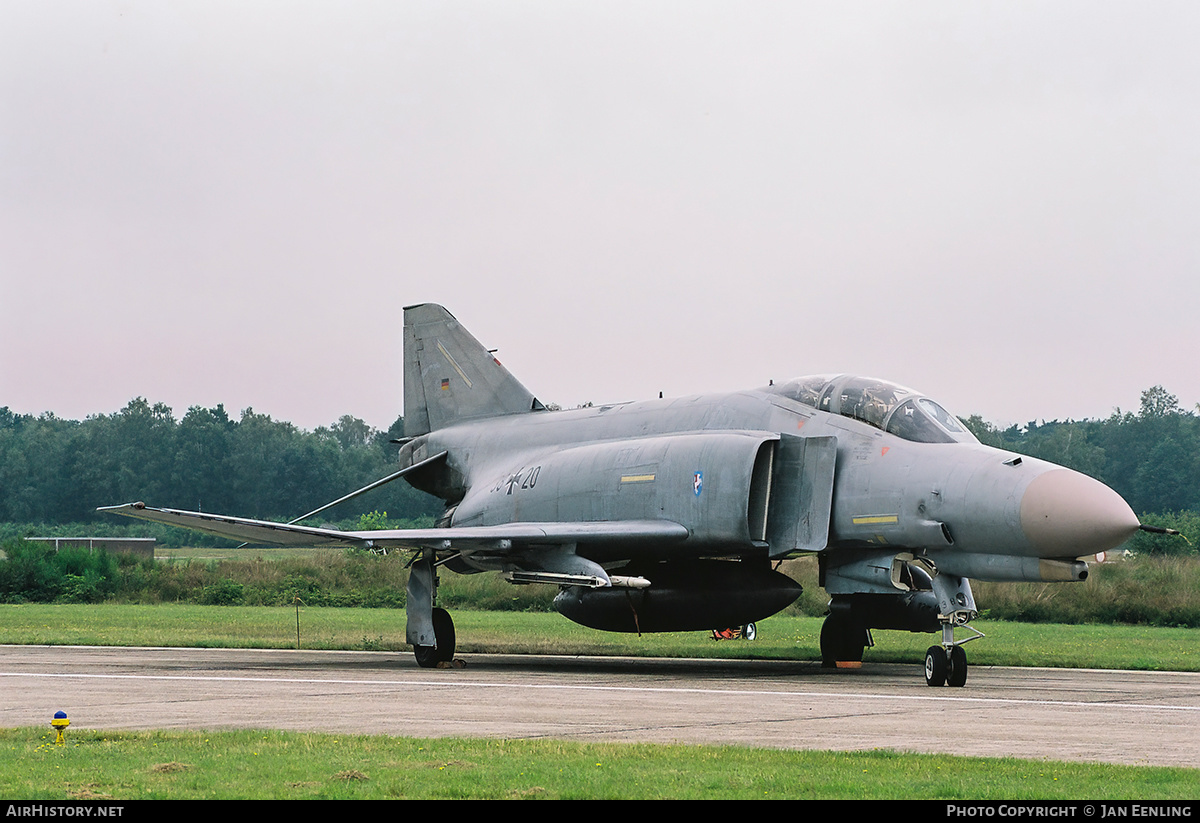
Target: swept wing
(469,539)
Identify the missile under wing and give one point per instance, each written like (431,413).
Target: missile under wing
(672,514)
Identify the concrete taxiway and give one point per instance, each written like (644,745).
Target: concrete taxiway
(1062,714)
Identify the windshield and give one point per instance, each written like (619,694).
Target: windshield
(885,405)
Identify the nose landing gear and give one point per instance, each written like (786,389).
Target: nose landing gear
(946,665)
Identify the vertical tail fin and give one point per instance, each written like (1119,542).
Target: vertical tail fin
(449,377)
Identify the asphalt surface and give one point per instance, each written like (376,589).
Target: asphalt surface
(1062,714)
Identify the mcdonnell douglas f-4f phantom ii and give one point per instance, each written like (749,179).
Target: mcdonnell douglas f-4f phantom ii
(672,514)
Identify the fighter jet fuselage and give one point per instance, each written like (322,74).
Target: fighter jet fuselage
(692,460)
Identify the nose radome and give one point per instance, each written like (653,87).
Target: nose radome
(1068,514)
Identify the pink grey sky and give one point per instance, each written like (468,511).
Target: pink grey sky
(212,202)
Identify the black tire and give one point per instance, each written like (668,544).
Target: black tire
(957,676)
(841,642)
(828,644)
(428,657)
(749,631)
(937,666)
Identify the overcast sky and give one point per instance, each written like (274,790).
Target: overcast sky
(997,204)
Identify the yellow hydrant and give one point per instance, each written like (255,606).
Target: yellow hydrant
(60,723)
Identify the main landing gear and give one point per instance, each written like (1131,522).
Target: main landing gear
(430,630)
(842,643)
(429,657)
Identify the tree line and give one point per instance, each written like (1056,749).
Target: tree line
(1149,457)
(57,471)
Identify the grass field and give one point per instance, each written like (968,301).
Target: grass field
(779,637)
(278,765)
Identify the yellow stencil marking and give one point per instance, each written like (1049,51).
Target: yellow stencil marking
(876,520)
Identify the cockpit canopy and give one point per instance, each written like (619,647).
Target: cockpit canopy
(884,405)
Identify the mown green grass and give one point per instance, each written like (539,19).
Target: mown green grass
(287,765)
(781,637)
